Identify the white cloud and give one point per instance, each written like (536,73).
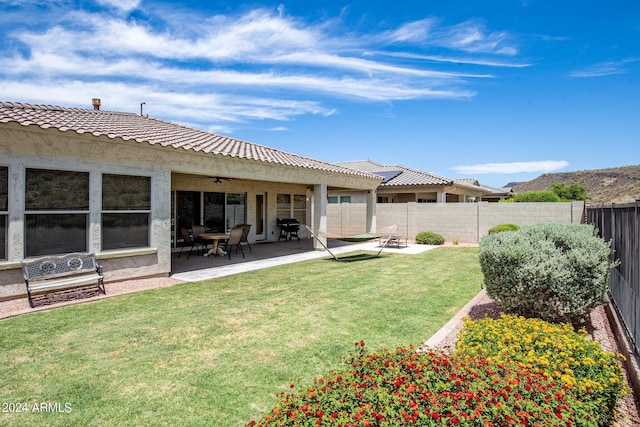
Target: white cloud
(544,166)
(122,5)
(604,68)
(226,69)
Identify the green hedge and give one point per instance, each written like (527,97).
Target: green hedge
(429,238)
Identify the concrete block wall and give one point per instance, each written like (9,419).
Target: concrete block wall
(461,222)
(346,219)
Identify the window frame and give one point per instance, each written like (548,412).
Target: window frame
(4,214)
(54,211)
(292,207)
(123,212)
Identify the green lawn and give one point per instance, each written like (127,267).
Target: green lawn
(217,352)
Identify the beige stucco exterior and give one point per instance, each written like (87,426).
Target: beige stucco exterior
(170,169)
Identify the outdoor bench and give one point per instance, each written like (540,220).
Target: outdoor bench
(50,273)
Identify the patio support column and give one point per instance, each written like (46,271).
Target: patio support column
(372,199)
(320,214)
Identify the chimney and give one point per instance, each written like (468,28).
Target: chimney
(96,103)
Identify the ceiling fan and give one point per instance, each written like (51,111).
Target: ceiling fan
(218,179)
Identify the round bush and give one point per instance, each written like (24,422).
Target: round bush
(503,227)
(557,272)
(429,238)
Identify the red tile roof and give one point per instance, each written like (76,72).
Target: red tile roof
(131,126)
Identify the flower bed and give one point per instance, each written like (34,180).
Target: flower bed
(590,373)
(531,374)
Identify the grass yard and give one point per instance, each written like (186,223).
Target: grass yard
(217,352)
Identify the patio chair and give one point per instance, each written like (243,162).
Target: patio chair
(234,240)
(187,241)
(245,234)
(196,230)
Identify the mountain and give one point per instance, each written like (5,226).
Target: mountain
(604,186)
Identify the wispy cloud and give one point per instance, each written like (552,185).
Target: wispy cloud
(544,166)
(602,69)
(233,68)
(468,36)
(454,60)
(122,5)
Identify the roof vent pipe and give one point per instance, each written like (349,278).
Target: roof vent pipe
(96,103)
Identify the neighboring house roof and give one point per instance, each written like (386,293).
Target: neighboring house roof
(131,126)
(397,175)
(492,191)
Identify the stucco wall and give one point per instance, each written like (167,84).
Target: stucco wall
(20,150)
(170,169)
(464,222)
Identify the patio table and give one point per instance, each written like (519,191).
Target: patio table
(215,240)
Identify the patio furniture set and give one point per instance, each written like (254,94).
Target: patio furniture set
(221,243)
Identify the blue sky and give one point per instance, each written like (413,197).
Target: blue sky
(499,90)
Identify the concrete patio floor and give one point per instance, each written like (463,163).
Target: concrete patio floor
(268,254)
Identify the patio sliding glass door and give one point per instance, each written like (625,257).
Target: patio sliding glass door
(217,211)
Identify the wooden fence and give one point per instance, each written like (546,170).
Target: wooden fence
(620,224)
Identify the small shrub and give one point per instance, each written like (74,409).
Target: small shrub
(503,227)
(429,238)
(557,272)
(434,388)
(588,372)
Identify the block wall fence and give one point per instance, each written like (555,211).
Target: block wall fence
(461,222)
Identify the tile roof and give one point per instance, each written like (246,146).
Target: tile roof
(408,176)
(134,127)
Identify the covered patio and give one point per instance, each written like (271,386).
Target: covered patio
(199,267)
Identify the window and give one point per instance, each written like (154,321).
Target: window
(4,210)
(297,210)
(383,199)
(126,211)
(300,208)
(56,211)
(332,199)
(345,199)
(236,209)
(284,206)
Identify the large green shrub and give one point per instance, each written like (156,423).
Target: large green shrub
(537,196)
(573,191)
(429,238)
(557,272)
(503,227)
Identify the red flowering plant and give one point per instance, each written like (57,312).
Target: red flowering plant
(430,388)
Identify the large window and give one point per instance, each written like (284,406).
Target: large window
(56,211)
(4,209)
(236,209)
(297,209)
(126,211)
